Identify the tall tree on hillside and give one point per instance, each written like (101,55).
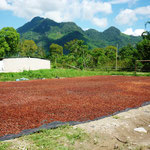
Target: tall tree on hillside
(28,48)
(55,52)
(9,39)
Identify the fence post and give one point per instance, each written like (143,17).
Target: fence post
(135,67)
(117,58)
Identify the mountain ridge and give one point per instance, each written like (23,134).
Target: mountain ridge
(46,31)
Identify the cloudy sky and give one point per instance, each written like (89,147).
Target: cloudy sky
(127,15)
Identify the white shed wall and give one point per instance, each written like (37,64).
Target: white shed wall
(20,64)
(1,66)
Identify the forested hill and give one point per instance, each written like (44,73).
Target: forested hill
(45,32)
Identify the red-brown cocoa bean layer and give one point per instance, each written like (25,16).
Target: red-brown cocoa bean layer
(29,104)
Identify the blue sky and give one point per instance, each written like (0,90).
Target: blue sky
(127,15)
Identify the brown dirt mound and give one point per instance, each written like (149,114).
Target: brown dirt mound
(29,104)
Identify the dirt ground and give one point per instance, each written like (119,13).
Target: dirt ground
(117,132)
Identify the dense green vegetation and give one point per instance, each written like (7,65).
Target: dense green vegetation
(74,50)
(9,39)
(49,31)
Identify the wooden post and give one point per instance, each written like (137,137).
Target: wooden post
(117,58)
(135,66)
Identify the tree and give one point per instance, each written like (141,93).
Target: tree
(143,48)
(96,54)
(40,53)
(74,46)
(110,52)
(3,47)
(28,48)
(55,52)
(128,56)
(146,34)
(79,51)
(9,39)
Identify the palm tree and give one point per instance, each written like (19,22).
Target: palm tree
(146,34)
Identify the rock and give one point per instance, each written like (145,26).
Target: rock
(116,146)
(22,79)
(140,129)
(57,77)
(95,141)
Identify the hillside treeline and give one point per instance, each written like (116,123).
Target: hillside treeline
(78,54)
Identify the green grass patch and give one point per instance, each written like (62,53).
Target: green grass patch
(116,117)
(62,138)
(52,73)
(4,145)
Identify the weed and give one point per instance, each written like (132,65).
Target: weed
(116,117)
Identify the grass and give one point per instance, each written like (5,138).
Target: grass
(52,73)
(4,145)
(116,117)
(62,138)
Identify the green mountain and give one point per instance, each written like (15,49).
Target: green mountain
(45,32)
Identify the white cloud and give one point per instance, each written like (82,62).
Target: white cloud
(136,32)
(129,16)
(123,1)
(90,8)
(54,15)
(143,10)
(58,10)
(100,22)
(85,29)
(4,5)
(126,16)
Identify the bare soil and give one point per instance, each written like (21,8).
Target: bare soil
(117,132)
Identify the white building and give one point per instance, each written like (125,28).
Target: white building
(20,64)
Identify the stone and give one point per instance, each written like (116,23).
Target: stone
(140,129)
(116,146)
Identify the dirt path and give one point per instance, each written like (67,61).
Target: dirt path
(117,132)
